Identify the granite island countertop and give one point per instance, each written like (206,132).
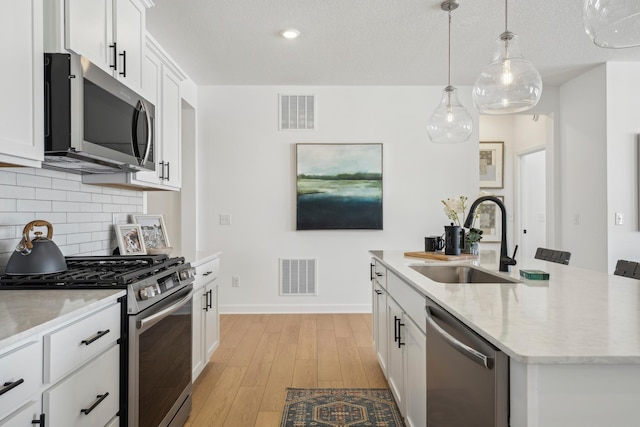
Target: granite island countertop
(27,312)
(578,316)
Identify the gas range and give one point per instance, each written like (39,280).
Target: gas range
(148,278)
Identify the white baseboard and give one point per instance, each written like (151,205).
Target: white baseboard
(294,308)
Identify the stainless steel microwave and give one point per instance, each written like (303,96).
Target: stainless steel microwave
(93,122)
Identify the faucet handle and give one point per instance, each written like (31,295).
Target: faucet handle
(510,260)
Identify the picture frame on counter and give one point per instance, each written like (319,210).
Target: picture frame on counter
(154,233)
(490,221)
(130,241)
(491,157)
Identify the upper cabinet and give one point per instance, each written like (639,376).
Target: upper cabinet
(110,33)
(21,85)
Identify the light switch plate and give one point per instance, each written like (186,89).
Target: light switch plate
(225,219)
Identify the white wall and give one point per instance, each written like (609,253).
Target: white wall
(583,151)
(247,170)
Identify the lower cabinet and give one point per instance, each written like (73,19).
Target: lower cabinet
(206,324)
(65,376)
(401,344)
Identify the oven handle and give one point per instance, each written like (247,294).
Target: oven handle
(147,322)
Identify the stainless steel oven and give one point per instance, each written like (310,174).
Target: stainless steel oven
(160,362)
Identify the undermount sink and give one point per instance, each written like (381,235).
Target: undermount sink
(459,274)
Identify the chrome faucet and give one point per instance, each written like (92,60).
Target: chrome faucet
(505,260)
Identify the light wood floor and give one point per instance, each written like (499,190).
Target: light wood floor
(259,356)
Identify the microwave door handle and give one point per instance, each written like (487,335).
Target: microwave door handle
(134,131)
(149,136)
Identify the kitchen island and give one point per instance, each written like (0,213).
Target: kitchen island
(573,341)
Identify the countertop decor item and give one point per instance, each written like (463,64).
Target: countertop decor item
(130,240)
(39,255)
(339,407)
(154,232)
(450,121)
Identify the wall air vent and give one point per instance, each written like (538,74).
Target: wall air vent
(297,112)
(298,276)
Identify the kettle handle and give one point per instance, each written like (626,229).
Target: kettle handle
(463,240)
(30,226)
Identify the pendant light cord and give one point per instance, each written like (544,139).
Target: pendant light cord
(506,13)
(449,75)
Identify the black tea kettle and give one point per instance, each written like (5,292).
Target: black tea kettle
(454,237)
(36,256)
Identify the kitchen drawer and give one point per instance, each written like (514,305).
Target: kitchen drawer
(380,273)
(115,422)
(411,301)
(21,366)
(66,403)
(69,347)
(23,416)
(207,272)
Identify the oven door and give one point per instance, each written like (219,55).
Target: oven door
(160,362)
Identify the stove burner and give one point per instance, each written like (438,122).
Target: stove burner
(94,272)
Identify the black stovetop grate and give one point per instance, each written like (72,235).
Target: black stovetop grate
(94,272)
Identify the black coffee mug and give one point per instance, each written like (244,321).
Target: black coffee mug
(433,243)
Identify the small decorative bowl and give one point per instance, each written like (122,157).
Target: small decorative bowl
(159,251)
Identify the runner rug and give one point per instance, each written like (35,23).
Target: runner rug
(340,407)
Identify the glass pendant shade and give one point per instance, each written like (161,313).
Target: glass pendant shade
(612,23)
(450,122)
(510,83)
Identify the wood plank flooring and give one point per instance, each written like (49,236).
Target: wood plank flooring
(259,356)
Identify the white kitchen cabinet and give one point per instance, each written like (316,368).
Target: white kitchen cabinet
(22,83)
(206,320)
(400,341)
(63,369)
(110,33)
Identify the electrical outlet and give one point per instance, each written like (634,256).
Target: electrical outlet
(619,219)
(235,281)
(225,219)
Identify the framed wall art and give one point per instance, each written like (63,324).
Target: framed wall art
(338,186)
(491,164)
(154,231)
(490,221)
(130,240)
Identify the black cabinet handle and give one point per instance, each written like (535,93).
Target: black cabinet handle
(207,273)
(395,328)
(123,73)
(161,170)
(168,170)
(400,325)
(39,421)
(371,271)
(100,397)
(114,56)
(210,299)
(10,386)
(378,292)
(379,274)
(97,336)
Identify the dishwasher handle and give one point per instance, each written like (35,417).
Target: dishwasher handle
(467,351)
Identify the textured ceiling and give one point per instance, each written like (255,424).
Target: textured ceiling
(368,42)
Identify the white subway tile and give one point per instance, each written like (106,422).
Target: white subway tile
(90,207)
(14,192)
(33,205)
(21,218)
(73,177)
(60,239)
(113,191)
(86,188)
(8,245)
(102,217)
(89,226)
(68,250)
(22,171)
(100,236)
(8,232)
(52,217)
(7,205)
(90,247)
(50,173)
(76,196)
(69,228)
(101,198)
(58,206)
(34,181)
(78,217)
(107,207)
(65,184)
(48,194)
(8,178)
(78,238)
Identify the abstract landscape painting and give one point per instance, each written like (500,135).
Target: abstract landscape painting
(339,186)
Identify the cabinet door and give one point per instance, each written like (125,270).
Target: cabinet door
(21,85)
(129,36)
(89,31)
(197,353)
(395,366)
(415,366)
(25,416)
(380,317)
(170,128)
(212,327)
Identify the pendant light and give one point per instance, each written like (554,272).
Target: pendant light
(510,83)
(450,122)
(612,23)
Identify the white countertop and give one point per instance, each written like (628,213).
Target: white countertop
(578,316)
(204,256)
(27,312)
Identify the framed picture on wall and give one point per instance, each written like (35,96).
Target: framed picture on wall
(339,186)
(489,220)
(491,164)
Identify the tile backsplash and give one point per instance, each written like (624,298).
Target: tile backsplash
(82,215)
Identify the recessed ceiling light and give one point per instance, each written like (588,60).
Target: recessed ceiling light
(290,33)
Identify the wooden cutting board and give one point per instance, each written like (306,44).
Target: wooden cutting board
(440,256)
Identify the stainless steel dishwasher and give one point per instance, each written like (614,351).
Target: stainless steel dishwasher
(467,377)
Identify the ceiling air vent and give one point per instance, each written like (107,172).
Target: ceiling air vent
(297,112)
(298,276)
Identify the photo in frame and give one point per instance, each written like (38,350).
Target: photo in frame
(491,159)
(154,231)
(130,240)
(339,186)
(490,221)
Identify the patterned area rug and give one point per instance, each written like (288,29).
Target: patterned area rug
(340,407)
